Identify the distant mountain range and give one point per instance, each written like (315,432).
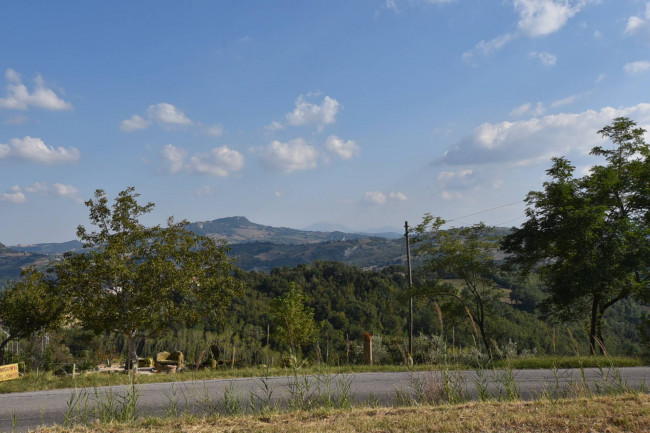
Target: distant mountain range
(255,246)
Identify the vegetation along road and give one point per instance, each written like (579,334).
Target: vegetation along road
(23,411)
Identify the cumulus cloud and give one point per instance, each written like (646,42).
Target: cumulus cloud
(565,101)
(547,59)
(167,114)
(35,150)
(14,195)
(639,67)
(344,149)
(18,97)
(537,18)
(220,161)
(134,123)
(294,155)
(639,24)
(528,108)
(381,198)
(455,184)
(543,17)
(274,126)
(54,190)
(534,140)
(309,113)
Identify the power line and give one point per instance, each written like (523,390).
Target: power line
(486,210)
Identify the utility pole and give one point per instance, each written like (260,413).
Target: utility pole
(408,263)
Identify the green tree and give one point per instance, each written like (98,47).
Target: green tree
(589,236)
(294,321)
(132,279)
(29,305)
(462,253)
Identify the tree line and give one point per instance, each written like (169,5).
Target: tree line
(581,257)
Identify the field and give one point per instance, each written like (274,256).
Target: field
(625,413)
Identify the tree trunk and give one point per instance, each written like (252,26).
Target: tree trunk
(132,354)
(2,350)
(599,332)
(593,328)
(481,328)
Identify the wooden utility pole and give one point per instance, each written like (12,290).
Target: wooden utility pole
(408,264)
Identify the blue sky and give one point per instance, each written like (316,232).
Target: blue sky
(360,113)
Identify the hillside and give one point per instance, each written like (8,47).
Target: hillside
(49,248)
(366,253)
(12,262)
(239,229)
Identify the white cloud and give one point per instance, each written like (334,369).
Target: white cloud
(274,126)
(398,196)
(5,150)
(14,195)
(279,193)
(381,198)
(537,18)
(520,110)
(639,67)
(566,101)
(634,24)
(214,130)
(344,149)
(295,155)
(543,17)
(167,114)
(37,188)
(547,59)
(67,191)
(308,113)
(220,161)
(376,197)
(601,77)
(134,123)
(528,108)
(55,189)
(489,47)
(35,150)
(535,140)
(18,96)
(175,158)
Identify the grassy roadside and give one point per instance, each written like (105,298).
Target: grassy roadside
(47,381)
(623,413)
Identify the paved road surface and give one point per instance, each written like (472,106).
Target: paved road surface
(31,409)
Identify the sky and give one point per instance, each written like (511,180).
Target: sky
(363,114)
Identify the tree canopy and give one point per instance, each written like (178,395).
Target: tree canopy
(466,254)
(29,305)
(132,278)
(589,237)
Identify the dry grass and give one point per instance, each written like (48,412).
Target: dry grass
(627,413)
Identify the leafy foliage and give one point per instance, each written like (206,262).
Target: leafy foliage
(135,278)
(294,320)
(466,254)
(589,236)
(29,305)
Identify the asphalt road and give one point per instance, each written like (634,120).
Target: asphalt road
(24,411)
